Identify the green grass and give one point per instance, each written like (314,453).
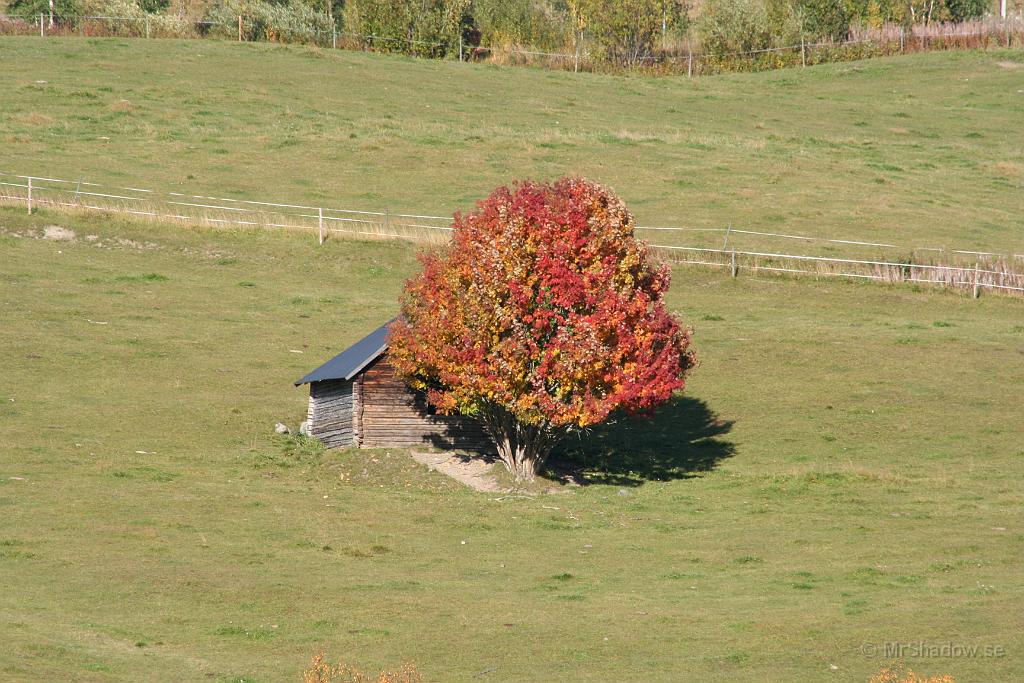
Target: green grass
(823,484)
(881,150)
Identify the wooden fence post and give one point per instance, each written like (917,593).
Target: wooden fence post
(334,37)
(387,220)
(803,52)
(460,47)
(689,62)
(320,224)
(734,262)
(901,39)
(976,289)
(30,196)
(41,33)
(239,28)
(147,26)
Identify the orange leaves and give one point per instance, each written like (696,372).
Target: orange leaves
(546,305)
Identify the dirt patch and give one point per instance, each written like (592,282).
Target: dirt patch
(1008,169)
(477,472)
(58,234)
(474,472)
(1010,65)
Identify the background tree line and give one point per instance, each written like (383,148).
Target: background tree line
(621,32)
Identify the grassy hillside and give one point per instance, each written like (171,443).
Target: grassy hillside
(925,150)
(844,470)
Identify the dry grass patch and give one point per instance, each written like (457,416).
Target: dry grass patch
(35,119)
(1008,169)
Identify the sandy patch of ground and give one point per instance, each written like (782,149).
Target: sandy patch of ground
(473,472)
(477,472)
(58,234)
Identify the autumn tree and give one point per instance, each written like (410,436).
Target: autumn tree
(543,316)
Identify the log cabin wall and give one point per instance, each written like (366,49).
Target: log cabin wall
(389,413)
(331,410)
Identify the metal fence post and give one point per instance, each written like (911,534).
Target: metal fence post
(320,223)
(30,196)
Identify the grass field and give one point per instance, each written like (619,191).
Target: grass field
(879,150)
(845,469)
(843,472)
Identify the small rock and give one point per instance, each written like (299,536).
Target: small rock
(281,428)
(304,428)
(623,492)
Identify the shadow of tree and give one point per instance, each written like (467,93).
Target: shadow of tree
(679,441)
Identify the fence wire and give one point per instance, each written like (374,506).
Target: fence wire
(990,271)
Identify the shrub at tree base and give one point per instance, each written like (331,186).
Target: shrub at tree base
(544,316)
(276,22)
(626,30)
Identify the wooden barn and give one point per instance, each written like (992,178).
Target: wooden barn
(356,399)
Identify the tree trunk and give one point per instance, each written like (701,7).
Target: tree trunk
(523,448)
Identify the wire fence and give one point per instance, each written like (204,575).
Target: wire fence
(973,270)
(680,57)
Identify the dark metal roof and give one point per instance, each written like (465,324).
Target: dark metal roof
(352,360)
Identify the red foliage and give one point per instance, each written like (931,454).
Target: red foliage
(546,307)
